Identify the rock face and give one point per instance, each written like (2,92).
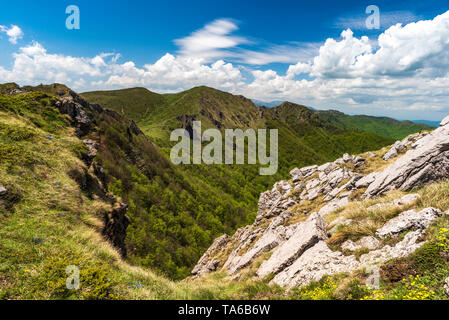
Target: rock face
(115,224)
(306,235)
(296,253)
(74,109)
(427,162)
(205,265)
(315,263)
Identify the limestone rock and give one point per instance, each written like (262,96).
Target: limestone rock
(306,235)
(408,245)
(346,157)
(428,162)
(333,205)
(313,264)
(271,238)
(205,265)
(367,242)
(408,220)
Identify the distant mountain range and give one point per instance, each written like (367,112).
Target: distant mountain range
(434,124)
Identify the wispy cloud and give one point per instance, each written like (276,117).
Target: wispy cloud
(212,41)
(14,33)
(387,19)
(216,41)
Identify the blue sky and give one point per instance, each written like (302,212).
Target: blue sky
(266,49)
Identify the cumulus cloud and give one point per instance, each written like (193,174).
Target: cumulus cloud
(33,65)
(14,33)
(406,68)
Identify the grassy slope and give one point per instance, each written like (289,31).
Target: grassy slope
(382,126)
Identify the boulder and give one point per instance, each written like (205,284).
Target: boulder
(409,220)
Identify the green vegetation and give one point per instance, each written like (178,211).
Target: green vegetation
(383,126)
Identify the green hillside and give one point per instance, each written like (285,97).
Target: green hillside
(382,126)
(52,214)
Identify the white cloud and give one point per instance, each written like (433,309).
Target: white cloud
(215,41)
(14,33)
(211,41)
(406,69)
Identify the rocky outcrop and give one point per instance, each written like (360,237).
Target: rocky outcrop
(92,149)
(405,200)
(84,117)
(115,223)
(298,253)
(205,264)
(427,162)
(74,109)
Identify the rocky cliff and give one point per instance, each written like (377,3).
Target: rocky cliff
(304,228)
